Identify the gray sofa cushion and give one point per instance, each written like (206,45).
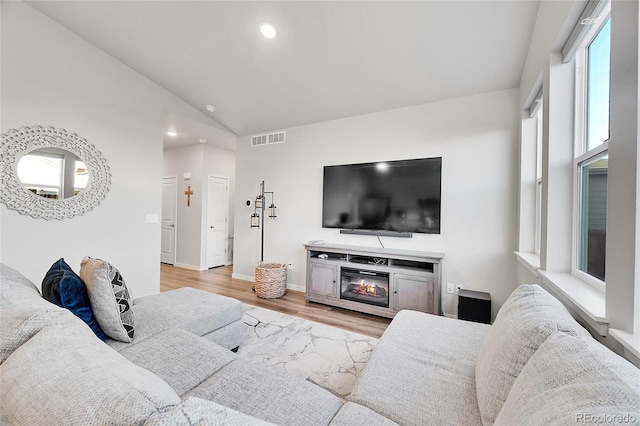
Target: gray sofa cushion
(571,380)
(65,375)
(269,394)
(180,358)
(230,336)
(18,325)
(528,317)
(355,414)
(195,311)
(423,369)
(196,411)
(18,291)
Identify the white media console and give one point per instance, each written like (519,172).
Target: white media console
(377,281)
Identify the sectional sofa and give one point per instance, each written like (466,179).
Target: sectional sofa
(534,365)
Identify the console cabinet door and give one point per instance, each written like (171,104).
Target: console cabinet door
(415,293)
(322,279)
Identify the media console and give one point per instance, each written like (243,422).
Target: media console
(376,281)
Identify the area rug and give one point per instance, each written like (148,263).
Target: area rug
(327,356)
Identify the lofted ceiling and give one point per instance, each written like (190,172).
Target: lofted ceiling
(330,59)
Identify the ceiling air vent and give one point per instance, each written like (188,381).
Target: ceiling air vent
(267,139)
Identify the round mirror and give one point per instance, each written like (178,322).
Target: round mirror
(50,173)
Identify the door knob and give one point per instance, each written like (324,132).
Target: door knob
(212,227)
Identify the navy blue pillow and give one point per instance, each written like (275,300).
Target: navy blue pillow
(64,287)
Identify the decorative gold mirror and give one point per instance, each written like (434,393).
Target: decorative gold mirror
(50,173)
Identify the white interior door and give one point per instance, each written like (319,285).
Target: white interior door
(217,208)
(168,239)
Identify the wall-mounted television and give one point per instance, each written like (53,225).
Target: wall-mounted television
(383,198)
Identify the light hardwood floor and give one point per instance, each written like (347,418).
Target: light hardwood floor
(218,280)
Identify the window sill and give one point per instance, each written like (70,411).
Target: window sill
(531,261)
(630,342)
(586,301)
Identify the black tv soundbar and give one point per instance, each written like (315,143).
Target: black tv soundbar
(376,232)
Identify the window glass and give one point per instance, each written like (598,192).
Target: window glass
(598,66)
(593,212)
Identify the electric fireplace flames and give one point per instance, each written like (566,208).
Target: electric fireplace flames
(365,287)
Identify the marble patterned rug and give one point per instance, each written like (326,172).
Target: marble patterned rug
(327,356)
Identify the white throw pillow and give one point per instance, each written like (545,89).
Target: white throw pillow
(109,298)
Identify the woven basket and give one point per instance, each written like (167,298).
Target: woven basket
(271,280)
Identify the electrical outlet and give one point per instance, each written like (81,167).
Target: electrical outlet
(451,288)
(458,287)
(290,265)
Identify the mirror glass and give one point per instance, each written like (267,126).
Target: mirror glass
(53,173)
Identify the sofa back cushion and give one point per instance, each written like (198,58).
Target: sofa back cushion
(18,291)
(18,325)
(528,317)
(66,375)
(571,380)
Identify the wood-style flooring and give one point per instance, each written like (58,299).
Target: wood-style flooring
(219,281)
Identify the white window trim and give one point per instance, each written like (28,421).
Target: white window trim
(537,231)
(537,237)
(577,208)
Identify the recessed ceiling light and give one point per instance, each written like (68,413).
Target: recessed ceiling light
(172,133)
(268,30)
(202,140)
(211,108)
(382,167)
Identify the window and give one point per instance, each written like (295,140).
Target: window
(591,161)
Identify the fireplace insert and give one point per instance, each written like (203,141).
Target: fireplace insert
(365,286)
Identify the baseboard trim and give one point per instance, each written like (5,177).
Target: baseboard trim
(290,286)
(187,266)
(243,277)
(296,287)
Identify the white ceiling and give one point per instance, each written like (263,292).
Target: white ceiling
(330,59)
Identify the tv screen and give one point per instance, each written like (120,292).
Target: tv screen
(400,196)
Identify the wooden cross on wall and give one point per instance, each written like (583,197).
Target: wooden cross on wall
(188,193)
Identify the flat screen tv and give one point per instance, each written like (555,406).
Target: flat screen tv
(385,197)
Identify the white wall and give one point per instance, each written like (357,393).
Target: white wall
(477,138)
(200,161)
(188,230)
(52,77)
